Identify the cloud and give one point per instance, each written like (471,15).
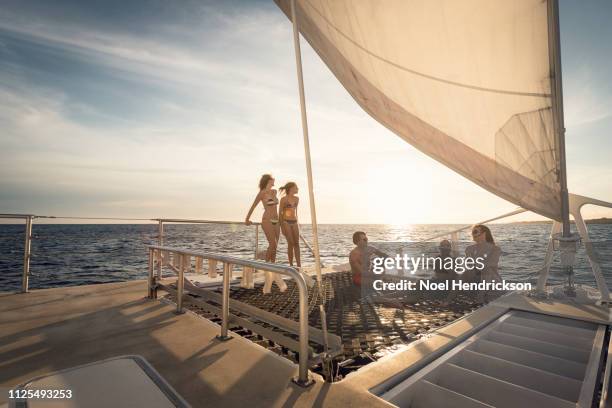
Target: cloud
(177,111)
(585,100)
(210,129)
(228,43)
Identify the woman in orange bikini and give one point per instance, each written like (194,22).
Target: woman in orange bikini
(270,225)
(287,216)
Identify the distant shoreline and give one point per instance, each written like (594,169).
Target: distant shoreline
(603,220)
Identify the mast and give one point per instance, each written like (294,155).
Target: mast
(313,211)
(554,53)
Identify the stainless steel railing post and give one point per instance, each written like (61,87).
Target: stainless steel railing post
(225,304)
(302,379)
(160,233)
(256,240)
(180,285)
(150,280)
(25,281)
(160,242)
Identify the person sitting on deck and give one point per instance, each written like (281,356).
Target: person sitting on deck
(360,254)
(444,270)
(484,247)
(359,258)
(441,265)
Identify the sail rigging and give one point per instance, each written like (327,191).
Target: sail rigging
(470,83)
(313,211)
(554,41)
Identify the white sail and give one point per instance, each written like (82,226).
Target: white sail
(467,82)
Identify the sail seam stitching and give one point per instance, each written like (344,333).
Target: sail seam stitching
(421,74)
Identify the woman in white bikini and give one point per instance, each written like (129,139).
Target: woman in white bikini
(287,216)
(270,225)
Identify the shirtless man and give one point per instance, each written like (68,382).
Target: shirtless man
(360,254)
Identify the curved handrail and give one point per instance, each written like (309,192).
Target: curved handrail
(299,278)
(270,267)
(16,216)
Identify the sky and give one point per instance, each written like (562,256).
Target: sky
(154,109)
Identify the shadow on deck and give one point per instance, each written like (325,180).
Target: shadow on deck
(53,329)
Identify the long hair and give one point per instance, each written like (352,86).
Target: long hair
(263,181)
(487,231)
(287,187)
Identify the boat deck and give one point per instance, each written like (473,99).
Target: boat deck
(51,329)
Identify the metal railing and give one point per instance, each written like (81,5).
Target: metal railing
(465,227)
(27,246)
(29,219)
(161,221)
(454,234)
(155,253)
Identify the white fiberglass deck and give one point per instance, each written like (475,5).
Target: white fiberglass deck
(53,329)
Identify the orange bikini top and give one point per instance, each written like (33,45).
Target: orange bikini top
(289,212)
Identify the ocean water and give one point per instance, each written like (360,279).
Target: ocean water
(81,254)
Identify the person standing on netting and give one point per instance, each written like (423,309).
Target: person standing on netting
(271,226)
(290,227)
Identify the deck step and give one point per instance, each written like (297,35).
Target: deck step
(581,343)
(495,392)
(567,368)
(558,320)
(528,377)
(571,331)
(521,359)
(429,395)
(543,347)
